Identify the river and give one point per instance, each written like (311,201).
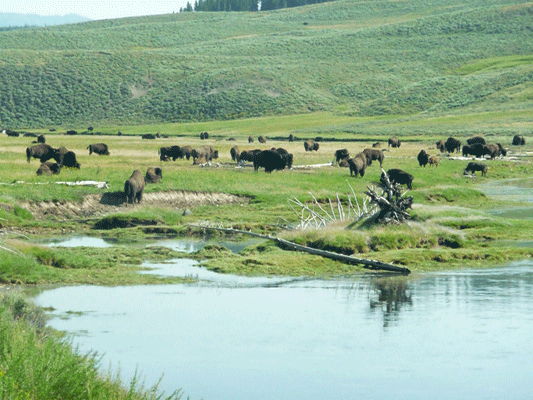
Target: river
(462,334)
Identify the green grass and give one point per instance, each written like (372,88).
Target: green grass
(36,364)
(364,59)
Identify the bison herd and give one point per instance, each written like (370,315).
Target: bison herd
(272,159)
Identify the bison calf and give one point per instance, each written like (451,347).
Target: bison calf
(153,175)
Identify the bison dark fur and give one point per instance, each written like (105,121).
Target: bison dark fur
(341,154)
(49,168)
(98,148)
(472,167)
(423,158)
(398,176)
(271,160)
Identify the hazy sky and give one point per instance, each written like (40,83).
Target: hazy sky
(94,9)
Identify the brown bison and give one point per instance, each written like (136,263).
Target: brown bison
(394,142)
(234,152)
(398,176)
(441,146)
(98,148)
(476,140)
(310,145)
(43,152)
(49,168)
(374,154)
(340,155)
(168,152)
(518,140)
(452,145)
(271,160)
(423,158)
(434,160)
(357,165)
(248,155)
(205,152)
(291,138)
(261,139)
(153,175)
(134,187)
(250,139)
(472,167)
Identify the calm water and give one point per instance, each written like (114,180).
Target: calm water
(455,335)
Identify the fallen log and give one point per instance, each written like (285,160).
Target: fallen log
(367,264)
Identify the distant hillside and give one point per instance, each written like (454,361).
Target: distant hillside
(12,20)
(360,58)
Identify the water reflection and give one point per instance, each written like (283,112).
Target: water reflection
(460,334)
(79,241)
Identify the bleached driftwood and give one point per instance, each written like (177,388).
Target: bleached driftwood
(364,263)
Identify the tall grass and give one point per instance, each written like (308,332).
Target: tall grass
(36,364)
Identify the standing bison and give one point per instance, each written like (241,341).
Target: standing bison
(472,167)
(134,187)
(441,146)
(452,145)
(340,155)
(166,153)
(153,175)
(234,152)
(476,140)
(271,160)
(398,176)
(518,140)
(98,148)
(357,165)
(423,158)
(394,142)
(205,152)
(310,145)
(68,159)
(42,151)
(374,154)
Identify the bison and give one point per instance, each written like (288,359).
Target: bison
(434,160)
(310,145)
(42,151)
(476,140)
(394,142)
(374,154)
(153,175)
(398,176)
(250,139)
(518,140)
(134,187)
(357,165)
(476,150)
(68,159)
(248,155)
(205,152)
(261,139)
(291,138)
(341,154)
(234,152)
(49,168)
(204,135)
(166,153)
(149,136)
(441,146)
(472,167)
(271,160)
(452,145)
(423,158)
(98,148)
(186,151)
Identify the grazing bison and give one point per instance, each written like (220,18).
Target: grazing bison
(310,145)
(68,159)
(434,160)
(441,146)
(518,140)
(168,152)
(250,139)
(204,135)
(476,150)
(148,136)
(49,168)
(134,187)
(42,151)
(394,142)
(374,154)
(423,158)
(452,145)
(476,140)
(153,175)
(205,152)
(357,165)
(234,152)
(262,139)
(186,151)
(41,139)
(98,148)
(398,176)
(495,150)
(472,167)
(285,154)
(291,138)
(248,155)
(271,160)
(341,154)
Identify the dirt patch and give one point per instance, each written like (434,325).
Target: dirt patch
(98,205)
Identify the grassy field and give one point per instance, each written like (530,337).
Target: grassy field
(451,226)
(346,57)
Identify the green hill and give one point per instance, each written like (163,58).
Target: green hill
(360,58)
